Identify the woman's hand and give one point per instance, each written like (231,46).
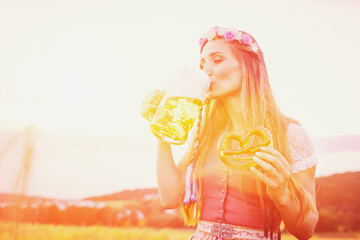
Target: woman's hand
(274,171)
(151,103)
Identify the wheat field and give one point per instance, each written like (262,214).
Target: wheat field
(35,231)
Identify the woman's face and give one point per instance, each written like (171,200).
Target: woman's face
(219,62)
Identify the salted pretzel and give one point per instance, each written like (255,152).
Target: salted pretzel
(242,158)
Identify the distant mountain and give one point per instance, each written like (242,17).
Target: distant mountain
(137,194)
(337,143)
(338,202)
(339,190)
(7,197)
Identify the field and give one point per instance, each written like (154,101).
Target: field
(28,231)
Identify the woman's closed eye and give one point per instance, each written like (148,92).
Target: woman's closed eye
(217,60)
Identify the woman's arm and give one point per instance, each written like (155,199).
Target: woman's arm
(289,212)
(170,178)
(275,173)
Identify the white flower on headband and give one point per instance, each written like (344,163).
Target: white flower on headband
(238,35)
(210,34)
(254,47)
(221,31)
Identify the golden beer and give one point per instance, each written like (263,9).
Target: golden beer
(174,119)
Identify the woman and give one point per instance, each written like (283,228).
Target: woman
(240,204)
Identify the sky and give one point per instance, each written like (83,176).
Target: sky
(79,70)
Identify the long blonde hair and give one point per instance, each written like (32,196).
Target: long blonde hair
(258,108)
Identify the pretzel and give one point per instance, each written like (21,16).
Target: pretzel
(242,158)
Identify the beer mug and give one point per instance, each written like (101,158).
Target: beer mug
(180,106)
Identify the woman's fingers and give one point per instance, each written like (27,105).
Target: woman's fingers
(273,152)
(266,166)
(274,174)
(269,182)
(274,161)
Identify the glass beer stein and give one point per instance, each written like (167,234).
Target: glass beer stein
(180,106)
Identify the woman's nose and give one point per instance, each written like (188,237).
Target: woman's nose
(208,70)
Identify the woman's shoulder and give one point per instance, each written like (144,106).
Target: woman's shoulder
(294,129)
(298,137)
(301,147)
(296,133)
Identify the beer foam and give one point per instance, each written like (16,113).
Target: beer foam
(192,83)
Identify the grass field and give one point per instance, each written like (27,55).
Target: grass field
(118,203)
(28,231)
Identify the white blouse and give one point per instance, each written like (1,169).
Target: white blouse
(302,150)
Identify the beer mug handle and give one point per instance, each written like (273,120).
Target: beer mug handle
(161,104)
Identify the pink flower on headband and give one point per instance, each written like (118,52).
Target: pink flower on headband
(245,38)
(202,41)
(215,28)
(229,36)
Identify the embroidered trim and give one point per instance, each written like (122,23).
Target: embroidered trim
(214,231)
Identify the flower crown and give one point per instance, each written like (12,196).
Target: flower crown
(231,34)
